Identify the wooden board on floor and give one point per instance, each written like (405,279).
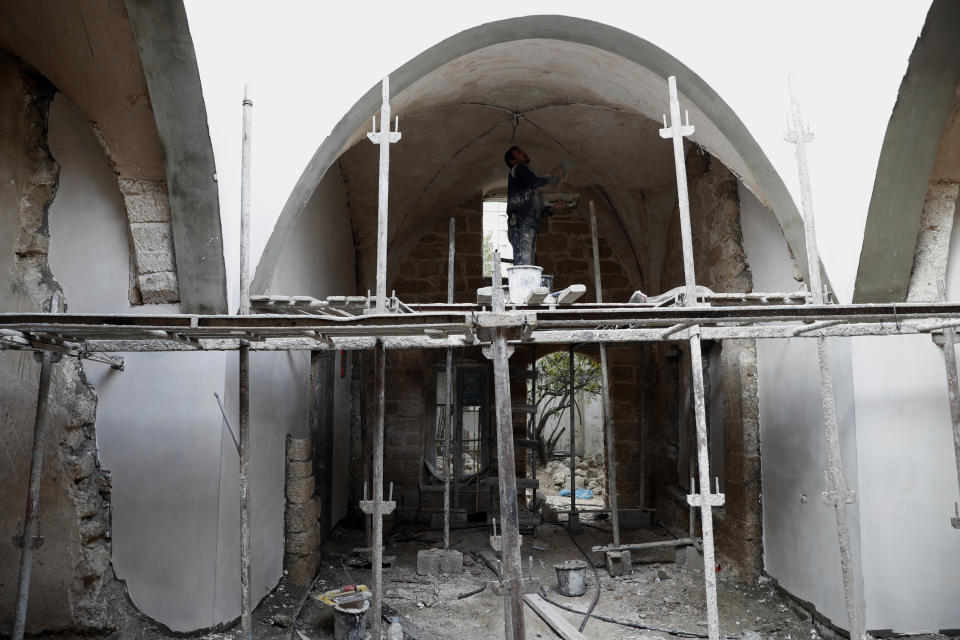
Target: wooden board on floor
(553,618)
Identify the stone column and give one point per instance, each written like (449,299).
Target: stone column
(302,550)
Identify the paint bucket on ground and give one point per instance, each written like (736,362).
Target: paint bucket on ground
(547,282)
(523,279)
(350,620)
(571,577)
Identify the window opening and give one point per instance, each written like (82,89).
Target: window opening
(495,235)
(466,430)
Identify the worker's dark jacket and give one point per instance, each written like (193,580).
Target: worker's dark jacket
(523,205)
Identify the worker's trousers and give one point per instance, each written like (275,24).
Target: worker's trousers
(523,239)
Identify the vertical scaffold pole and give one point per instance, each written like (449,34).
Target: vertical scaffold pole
(31,522)
(705,500)
(384,138)
(246,595)
(448,458)
(376,549)
(837,494)
(573,447)
(605,391)
(499,352)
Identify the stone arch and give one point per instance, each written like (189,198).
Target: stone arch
(637,71)
(910,169)
(131,70)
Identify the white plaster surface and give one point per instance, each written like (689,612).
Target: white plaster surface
(160,432)
(799,531)
(908,485)
(319,261)
(279,394)
(88,223)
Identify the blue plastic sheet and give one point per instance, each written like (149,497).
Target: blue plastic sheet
(582,494)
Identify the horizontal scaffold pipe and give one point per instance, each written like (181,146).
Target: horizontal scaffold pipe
(454,328)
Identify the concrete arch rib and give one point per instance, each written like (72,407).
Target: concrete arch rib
(907,158)
(746,156)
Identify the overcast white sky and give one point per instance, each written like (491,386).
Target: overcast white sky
(308,62)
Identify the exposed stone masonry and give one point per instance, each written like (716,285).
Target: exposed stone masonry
(148,213)
(644,380)
(73,582)
(302,545)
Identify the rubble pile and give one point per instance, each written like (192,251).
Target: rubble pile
(590,474)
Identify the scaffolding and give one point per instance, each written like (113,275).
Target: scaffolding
(690,313)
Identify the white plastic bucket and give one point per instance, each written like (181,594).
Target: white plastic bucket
(523,279)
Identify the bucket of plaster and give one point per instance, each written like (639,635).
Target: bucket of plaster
(523,279)
(350,620)
(571,577)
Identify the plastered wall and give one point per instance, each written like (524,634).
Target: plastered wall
(908,480)
(319,261)
(799,532)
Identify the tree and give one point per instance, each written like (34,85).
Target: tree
(487,255)
(553,394)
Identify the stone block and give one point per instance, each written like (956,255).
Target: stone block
(439,562)
(618,563)
(156,261)
(145,200)
(299,469)
(300,490)
(159,288)
(302,569)
(298,449)
(151,236)
(300,517)
(302,543)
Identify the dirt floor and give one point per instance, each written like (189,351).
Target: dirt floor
(658,594)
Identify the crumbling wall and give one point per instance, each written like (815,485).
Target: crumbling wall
(301,542)
(721,265)
(72,583)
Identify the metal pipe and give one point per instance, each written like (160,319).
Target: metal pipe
(506,473)
(677,131)
(573,449)
(246,587)
(837,494)
(605,391)
(31,522)
(376,545)
(705,500)
(246,595)
(245,160)
(706,505)
(384,138)
(800,136)
(448,459)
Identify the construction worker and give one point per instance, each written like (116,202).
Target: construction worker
(523,204)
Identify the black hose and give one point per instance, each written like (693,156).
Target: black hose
(296,612)
(634,625)
(471,593)
(596,579)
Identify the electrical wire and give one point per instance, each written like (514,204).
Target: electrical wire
(635,625)
(296,612)
(596,580)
